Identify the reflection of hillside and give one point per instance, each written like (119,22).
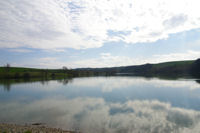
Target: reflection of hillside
(7,83)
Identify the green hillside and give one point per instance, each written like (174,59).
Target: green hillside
(174,63)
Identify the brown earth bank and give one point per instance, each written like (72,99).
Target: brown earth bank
(30,128)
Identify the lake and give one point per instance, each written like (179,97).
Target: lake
(105,104)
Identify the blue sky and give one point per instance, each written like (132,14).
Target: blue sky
(90,33)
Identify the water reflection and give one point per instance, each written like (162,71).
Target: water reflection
(108,84)
(95,115)
(106,104)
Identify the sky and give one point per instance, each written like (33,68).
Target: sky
(98,33)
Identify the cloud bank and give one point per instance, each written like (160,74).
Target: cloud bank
(80,24)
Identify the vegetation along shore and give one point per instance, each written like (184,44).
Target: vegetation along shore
(176,68)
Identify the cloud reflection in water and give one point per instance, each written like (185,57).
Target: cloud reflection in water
(91,115)
(106,104)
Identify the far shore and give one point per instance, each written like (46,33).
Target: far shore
(30,128)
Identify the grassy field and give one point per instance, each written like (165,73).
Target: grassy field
(17,72)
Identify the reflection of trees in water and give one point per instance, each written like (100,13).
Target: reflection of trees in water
(65,81)
(7,83)
(44,82)
(7,87)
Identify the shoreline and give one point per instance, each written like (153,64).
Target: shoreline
(30,128)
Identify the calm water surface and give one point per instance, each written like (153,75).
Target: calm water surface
(105,104)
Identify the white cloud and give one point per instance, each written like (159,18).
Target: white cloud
(38,24)
(50,24)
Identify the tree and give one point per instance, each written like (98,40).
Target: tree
(7,67)
(65,68)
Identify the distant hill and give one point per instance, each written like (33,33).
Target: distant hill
(174,68)
(167,68)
